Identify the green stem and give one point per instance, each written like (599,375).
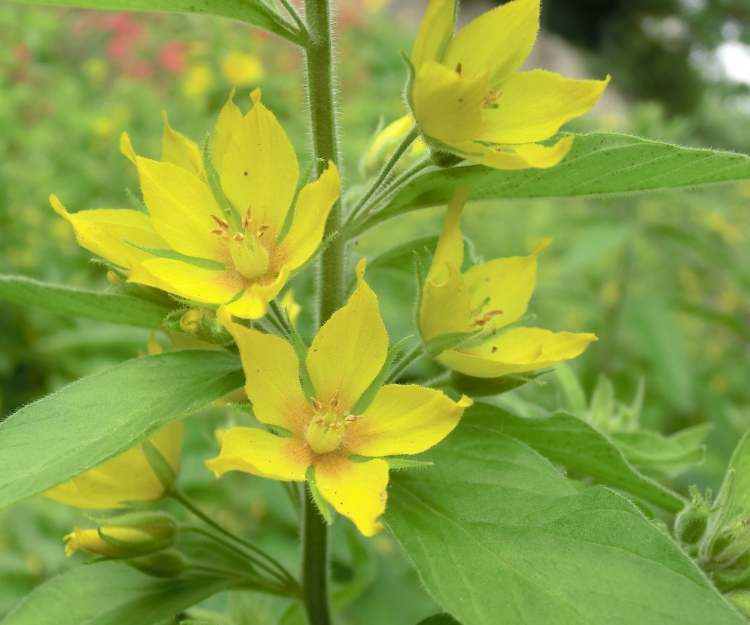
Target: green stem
(292,11)
(369,216)
(314,563)
(331,280)
(232,549)
(272,566)
(414,354)
(321,101)
(384,172)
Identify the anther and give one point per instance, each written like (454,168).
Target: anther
(222,223)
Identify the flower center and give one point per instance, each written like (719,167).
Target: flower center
(325,431)
(249,255)
(247,248)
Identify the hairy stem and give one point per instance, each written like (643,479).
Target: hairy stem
(321,101)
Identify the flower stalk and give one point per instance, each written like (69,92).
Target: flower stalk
(322,106)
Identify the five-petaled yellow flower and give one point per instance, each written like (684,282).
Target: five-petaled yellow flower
(188,244)
(484,301)
(126,479)
(329,432)
(469,98)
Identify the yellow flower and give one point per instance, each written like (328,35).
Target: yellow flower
(199,79)
(124,537)
(187,244)
(469,98)
(481,302)
(386,140)
(341,442)
(127,478)
(242,69)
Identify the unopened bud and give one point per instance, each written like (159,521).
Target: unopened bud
(191,321)
(690,524)
(125,536)
(170,563)
(385,142)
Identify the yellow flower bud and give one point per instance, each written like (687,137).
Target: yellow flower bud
(126,536)
(386,140)
(190,322)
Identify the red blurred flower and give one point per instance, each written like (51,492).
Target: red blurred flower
(172,56)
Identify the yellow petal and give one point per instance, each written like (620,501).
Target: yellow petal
(517,350)
(445,306)
(179,150)
(125,478)
(496,42)
(228,124)
(253,303)
(114,234)
(501,289)
(350,349)
(255,451)
(126,148)
(259,170)
(404,419)
(524,156)
(182,208)
(271,378)
(534,105)
(209,286)
(313,205)
(447,106)
(355,489)
(434,32)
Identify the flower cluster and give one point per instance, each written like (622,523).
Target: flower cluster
(224,229)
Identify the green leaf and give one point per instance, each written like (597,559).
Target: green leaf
(498,535)
(102,415)
(252,11)
(572,391)
(733,500)
(599,164)
(439,619)
(485,387)
(661,455)
(110,593)
(65,300)
(571,442)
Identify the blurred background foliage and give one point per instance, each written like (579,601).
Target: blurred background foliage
(663,279)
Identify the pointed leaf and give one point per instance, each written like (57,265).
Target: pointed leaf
(498,535)
(599,164)
(74,302)
(252,11)
(102,415)
(571,442)
(110,593)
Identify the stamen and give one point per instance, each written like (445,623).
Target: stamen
(487,317)
(222,223)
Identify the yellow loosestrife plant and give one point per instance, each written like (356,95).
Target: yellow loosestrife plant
(323,403)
